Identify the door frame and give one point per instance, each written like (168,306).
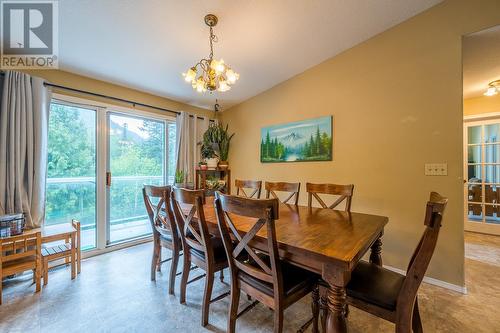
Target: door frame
(102,195)
(475,226)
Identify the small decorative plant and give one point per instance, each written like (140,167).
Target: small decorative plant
(203,165)
(215,184)
(179,176)
(217,138)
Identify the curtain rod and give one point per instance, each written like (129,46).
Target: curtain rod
(109,97)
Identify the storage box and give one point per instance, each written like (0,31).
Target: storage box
(11,225)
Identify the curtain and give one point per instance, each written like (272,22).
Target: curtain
(190,132)
(24,113)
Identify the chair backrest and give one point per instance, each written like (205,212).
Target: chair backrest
(293,188)
(76,225)
(423,253)
(265,211)
(193,227)
(255,185)
(19,247)
(344,192)
(160,214)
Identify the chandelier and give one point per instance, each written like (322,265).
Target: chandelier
(213,74)
(493,88)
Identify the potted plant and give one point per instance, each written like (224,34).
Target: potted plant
(209,156)
(217,138)
(224,142)
(179,178)
(203,165)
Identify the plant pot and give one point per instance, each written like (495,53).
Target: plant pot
(223,164)
(203,167)
(212,162)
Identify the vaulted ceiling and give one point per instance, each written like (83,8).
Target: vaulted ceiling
(147,44)
(481,59)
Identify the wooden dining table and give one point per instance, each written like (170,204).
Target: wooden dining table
(324,241)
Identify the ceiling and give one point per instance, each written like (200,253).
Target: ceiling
(147,44)
(481,60)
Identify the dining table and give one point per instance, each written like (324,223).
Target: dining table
(324,241)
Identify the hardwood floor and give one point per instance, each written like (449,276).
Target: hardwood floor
(114,294)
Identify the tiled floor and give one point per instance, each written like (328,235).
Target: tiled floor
(114,294)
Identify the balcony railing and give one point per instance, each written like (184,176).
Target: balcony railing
(75,198)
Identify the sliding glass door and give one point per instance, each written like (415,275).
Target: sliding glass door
(71,176)
(136,157)
(99,159)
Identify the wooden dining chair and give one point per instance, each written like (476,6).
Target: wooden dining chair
(165,232)
(70,251)
(21,253)
(344,192)
(390,295)
(200,248)
(255,185)
(266,278)
(292,188)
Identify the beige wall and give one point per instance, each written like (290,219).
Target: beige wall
(397,104)
(71,80)
(482,104)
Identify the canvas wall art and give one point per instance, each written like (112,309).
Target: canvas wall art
(301,141)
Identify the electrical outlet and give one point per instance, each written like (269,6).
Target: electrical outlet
(436,169)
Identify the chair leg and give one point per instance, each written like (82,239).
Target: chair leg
(416,322)
(34,275)
(233,308)
(173,271)
(45,272)
(221,275)
(154,260)
(324,313)
(158,264)
(278,320)
(207,296)
(315,308)
(186,268)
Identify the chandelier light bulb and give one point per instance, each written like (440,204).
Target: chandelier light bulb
(491,91)
(190,75)
(232,76)
(223,86)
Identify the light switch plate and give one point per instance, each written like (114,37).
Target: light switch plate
(436,169)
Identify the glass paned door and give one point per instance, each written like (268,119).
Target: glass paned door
(136,156)
(483,173)
(71,175)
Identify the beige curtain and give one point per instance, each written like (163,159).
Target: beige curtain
(190,130)
(24,113)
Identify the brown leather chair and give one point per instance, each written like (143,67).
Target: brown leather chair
(266,278)
(390,295)
(202,249)
(164,230)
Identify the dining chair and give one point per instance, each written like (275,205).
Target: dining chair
(255,185)
(393,296)
(165,234)
(344,192)
(200,248)
(67,251)
(266,278)
(21,253)
(292,188)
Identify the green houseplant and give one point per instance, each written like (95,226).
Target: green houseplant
(217,138)
(179,177)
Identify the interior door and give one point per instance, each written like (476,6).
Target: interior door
(482,174)
(136,156)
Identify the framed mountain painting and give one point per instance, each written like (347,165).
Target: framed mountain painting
(301,141)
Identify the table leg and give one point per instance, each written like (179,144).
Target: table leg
(337,277)
(376,252)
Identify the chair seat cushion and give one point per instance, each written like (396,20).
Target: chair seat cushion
(294,279)
(219,251)
(375,285)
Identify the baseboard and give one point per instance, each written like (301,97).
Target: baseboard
(433,281)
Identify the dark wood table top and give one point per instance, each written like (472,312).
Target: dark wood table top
(310,237)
